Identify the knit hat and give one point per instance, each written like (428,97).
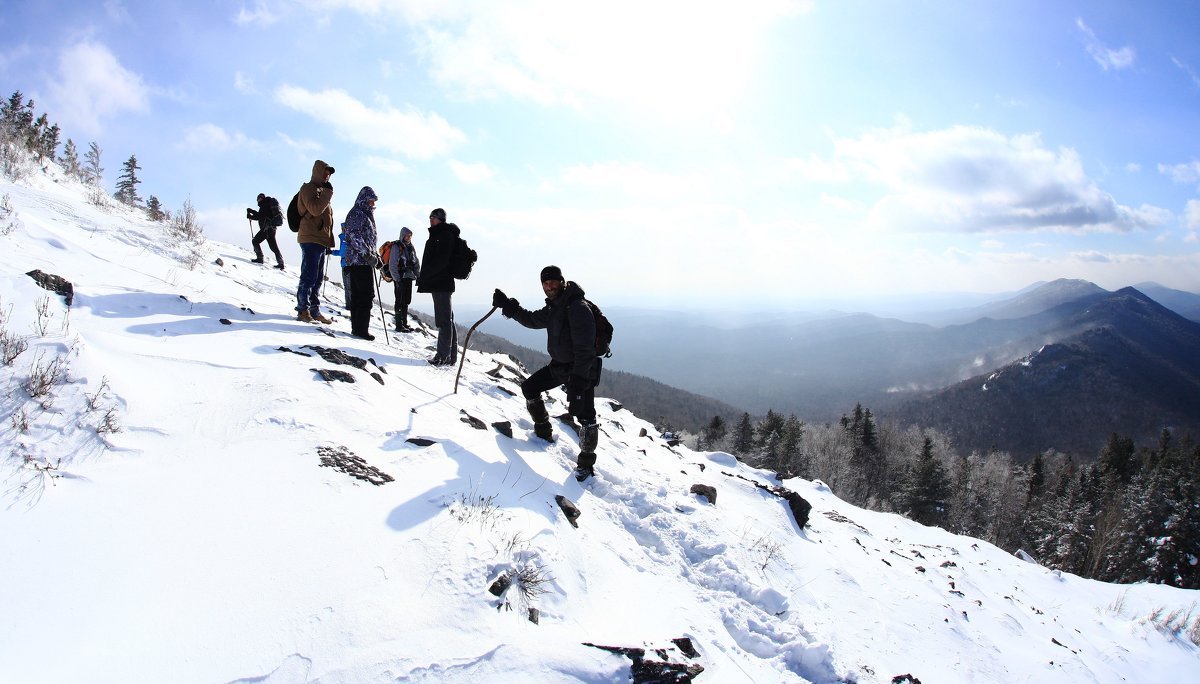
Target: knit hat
(439,214)
(405,232)
(552,273)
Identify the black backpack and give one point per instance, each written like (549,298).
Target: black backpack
(462,258)
(604,330)
(293,214)
(275,217)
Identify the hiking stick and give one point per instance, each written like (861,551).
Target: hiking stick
(251,222)
(381,316)
(463,359)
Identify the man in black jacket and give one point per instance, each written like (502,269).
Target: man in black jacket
(571,343)
(269,218)
(438,280)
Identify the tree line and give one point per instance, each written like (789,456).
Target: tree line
(25,136)
(1131,515)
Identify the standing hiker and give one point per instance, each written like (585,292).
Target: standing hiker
(269,218)
(361,261)
(437,279)
(315,236)
(403,267)
(571,342)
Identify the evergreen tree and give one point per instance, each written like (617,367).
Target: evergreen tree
(794,461)
(1117,463)
(154,209)
(127,182)
(924,491)
(743,436)
(712,434)
(70,160)
(94,173)
(47,147)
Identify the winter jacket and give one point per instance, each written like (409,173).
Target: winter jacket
(316,211)
(570,329)
(403,261)
(361,237)
(268,210)
(435,269)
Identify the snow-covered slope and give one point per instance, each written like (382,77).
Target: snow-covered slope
(214,538)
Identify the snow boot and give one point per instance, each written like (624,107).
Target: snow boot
(541,419)
(318,317)
(589,435)
(279,266)
(304,317)
(256,261)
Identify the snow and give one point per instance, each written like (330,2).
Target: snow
(205,542)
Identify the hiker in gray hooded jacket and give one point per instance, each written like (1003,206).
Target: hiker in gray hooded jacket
(403,267)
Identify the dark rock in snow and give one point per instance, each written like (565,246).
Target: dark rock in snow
(421,441)
(503,427)
(472,421)
(329,375)
(293,351)
(501,585)
(225,321)
(707,491)
(341,458)
(569,509)
(644,671)
(55,284)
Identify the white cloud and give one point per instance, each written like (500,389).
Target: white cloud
(304,147)
(670,58)
(261,15)
(408,132)
(1106,57)
(210,138)
(1187,69)
(633,179)
(970,179)
(91,86)
(471,173)
(992,244)
(1184,174)
(244,84)
(386,165)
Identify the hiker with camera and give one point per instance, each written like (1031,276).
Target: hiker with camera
(315,235)
(269,218)
(571,342)
(361,261)
(437,278)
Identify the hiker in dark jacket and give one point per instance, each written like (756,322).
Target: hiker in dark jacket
(268,213)
(403,268)
(316,238)
(438,280)
(361,261)
(571,343)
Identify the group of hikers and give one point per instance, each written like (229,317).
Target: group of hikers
(567,318)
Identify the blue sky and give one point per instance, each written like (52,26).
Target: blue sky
(679,154)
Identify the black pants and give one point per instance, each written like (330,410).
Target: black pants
(556,374)
(403,290)
(362,296)
(267,234)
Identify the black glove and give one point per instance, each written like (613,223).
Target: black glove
(328,186)
(375,261)
(251,214)
(499,299)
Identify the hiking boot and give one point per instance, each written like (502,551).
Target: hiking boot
(320,318)
(582,473)
(279,266)
(586,463)
(304,317)
(363,335)
(439,361)
(256,261)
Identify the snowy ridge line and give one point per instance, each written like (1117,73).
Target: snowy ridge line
(197,537)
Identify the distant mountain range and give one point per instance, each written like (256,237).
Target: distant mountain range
(819,366)
(1122,363)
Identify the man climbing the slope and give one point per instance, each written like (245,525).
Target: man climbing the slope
(571,342)
(269,218)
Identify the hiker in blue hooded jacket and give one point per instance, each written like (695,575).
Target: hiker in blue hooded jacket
(403,268)
(361,261)
(571,342)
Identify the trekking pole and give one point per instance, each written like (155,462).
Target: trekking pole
(381,316)
(251,222)
(463,359)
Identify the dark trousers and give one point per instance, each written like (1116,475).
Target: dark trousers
(403,290)
(267,234)
(362,296)
(308,294)
(556,374)
(443,318)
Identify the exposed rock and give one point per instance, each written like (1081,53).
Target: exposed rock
(329,375)
(225,321)
(707,491)
(644,671)
(293,351)
(503,427)
(569,509)
(55,284)
(615,406)
(338,357)
(534,615)
(501,585)
(341,458)
(796,503)
(421,441)
(472,421)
